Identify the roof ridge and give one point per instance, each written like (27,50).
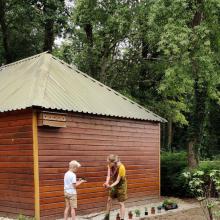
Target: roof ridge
(22,60)
(107,87)
(42,77)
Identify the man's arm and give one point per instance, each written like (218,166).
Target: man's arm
(121,174)
(116,182)
(107,178)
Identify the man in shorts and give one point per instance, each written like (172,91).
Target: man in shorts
(118,188)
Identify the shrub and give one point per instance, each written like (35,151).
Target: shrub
(202,185)
(207,166)
(172,167)
(22,217)
(137,212)
(216,157)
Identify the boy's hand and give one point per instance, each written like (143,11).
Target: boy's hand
(82,180)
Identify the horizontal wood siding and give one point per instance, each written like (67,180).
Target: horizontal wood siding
(16,164)
(90,140)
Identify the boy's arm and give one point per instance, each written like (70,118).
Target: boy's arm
(78,183)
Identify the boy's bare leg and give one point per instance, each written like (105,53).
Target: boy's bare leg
(66,211)
(73,214)
(122,210)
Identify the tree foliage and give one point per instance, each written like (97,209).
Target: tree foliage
(164,54)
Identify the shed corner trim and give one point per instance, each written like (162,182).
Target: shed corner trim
(36,166)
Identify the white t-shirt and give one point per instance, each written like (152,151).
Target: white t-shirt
(69,180)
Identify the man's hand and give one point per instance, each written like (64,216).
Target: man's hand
(109,186)
(106,185)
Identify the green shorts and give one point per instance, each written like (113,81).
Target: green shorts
(119,193)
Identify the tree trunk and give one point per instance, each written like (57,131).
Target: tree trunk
(49,35)
(5,34)
(143,71)
(210,213)
(163,125)
(104,62)
(170,135)
(89,35)
(205,209)
(192,158)
(198,118)
(200,98)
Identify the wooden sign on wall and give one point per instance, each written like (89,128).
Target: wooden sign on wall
(52,119)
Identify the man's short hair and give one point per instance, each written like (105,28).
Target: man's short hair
(113,158)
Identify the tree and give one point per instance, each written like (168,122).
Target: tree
(4,28)
(20,33)
(52,17)
(29,27)
(186,39)
(163,54)
(97,29)
(204,186)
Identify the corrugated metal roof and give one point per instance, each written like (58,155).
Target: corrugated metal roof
(45,81)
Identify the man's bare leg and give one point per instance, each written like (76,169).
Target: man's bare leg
(108,208)
(122,210)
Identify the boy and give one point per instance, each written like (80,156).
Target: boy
(70,185)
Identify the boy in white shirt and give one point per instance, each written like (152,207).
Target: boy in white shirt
(70,184)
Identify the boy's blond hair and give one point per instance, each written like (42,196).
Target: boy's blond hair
(74,164)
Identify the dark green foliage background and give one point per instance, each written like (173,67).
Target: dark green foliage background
(172,167)
(163,54)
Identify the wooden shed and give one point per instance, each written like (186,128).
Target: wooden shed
(52,113)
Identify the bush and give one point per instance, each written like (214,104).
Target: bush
(207,166)
(216,157)
(172,167)
(172,181)
(22,217)
(205,186)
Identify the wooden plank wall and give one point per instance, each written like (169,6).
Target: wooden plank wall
(16,164)
(90,140)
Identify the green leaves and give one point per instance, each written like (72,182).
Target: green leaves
(164,54)
(174,40)
(185,33)
(204,185)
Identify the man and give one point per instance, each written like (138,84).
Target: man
(118,189)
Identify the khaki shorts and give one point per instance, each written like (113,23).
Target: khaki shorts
(71,199)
